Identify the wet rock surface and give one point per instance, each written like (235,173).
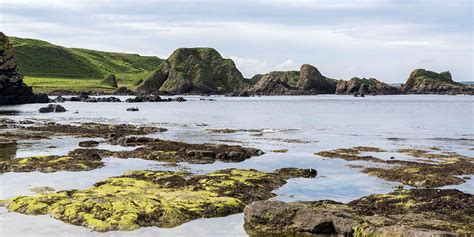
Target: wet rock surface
(424,212)
(156,198)
(430,170)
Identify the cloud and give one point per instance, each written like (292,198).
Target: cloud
(381,38)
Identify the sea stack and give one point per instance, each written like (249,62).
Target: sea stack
(12,88)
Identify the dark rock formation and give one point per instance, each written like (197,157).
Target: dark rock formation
(269,84)
(133,109)
(12,88)
(194,70)
(123,91)
(110,80)
(52,108)
(422,81)
(306,81)
(416,212)
(312,80)
(364,86)
(153,98)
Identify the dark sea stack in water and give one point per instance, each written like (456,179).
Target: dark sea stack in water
(422,81)
(312,80)
(364,86)
(110,80)
(12,88)
(195,70)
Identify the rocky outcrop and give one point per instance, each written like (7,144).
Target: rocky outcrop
(194,70)
(312,80)
(422,81)
(270,84)
(416,212)
(12,88)
(364,86)
(307,81)
(110,80)
(289,77)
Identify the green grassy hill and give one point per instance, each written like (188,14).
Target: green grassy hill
(44,65)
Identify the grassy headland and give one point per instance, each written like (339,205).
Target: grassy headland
(49,67)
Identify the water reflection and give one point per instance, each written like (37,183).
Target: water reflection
(8,151)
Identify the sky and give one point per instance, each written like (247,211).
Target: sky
(384,39)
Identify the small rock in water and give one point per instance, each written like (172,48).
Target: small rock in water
(42,189)
(88,143)
(133,109)
(52,108)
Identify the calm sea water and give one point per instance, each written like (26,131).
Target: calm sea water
(301,124)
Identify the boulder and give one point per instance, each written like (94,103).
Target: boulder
(52,108)
(12,88)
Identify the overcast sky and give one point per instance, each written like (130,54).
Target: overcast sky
(384,39)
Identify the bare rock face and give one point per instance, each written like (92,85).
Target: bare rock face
(12,88)
(312,80)
(365,86)
(422,81)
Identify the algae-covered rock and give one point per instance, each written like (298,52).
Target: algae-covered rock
(194,70)
(422,81)
(424,212)
(156,198)
(77,160)
(430,170)
(173,151)
(12,88)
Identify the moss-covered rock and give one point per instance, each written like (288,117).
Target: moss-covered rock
(423,212)
(172,151)
(422,81)
(156,198)
(77,160)
(194,70)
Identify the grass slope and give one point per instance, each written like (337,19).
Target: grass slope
(47,66)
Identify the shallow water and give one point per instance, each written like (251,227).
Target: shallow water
(302,124)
